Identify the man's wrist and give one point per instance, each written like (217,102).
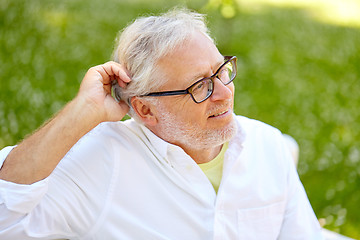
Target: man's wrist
(86,113)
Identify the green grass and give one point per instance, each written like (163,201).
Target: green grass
(297,74)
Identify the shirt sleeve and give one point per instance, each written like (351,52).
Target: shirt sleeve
(3,154)
(69,202)
(17,200)
(299,221)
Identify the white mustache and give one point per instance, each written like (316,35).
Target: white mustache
(220,108)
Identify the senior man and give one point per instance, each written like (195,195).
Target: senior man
(186,167)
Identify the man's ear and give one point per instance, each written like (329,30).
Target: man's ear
(144,110)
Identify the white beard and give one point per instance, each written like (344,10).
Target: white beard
(187,134)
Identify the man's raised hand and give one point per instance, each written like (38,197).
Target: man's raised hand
(95,89)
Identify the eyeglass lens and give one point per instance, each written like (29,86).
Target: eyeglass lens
(203,89)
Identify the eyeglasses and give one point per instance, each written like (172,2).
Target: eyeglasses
(203,89)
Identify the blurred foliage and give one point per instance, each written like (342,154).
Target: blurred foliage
(296,73)
(227,8)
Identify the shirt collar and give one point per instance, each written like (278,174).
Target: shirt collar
(157,143)
(238,140)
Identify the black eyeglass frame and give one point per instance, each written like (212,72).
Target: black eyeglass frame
(186,91)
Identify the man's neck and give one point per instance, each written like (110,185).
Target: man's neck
(202,155)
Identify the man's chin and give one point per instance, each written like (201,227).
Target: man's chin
(229,130)
(220,136)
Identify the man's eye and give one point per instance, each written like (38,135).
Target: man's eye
(200,85)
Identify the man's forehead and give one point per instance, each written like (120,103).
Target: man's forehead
(192,60)
(184,73)
(210,70)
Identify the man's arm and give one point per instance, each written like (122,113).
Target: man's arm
(300,221)
(37,156)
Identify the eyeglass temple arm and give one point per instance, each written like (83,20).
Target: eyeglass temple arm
(167,93)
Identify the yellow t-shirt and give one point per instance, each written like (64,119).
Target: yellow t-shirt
(213,169)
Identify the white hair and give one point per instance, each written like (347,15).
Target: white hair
(148,39)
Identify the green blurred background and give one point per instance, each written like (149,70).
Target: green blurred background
(299,70)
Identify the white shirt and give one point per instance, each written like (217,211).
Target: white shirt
(120,181)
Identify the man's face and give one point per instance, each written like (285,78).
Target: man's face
(183,122)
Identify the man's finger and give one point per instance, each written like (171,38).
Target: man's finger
(116,70)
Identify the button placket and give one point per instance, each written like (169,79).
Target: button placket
(196,180)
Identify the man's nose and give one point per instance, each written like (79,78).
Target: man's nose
(221,91)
